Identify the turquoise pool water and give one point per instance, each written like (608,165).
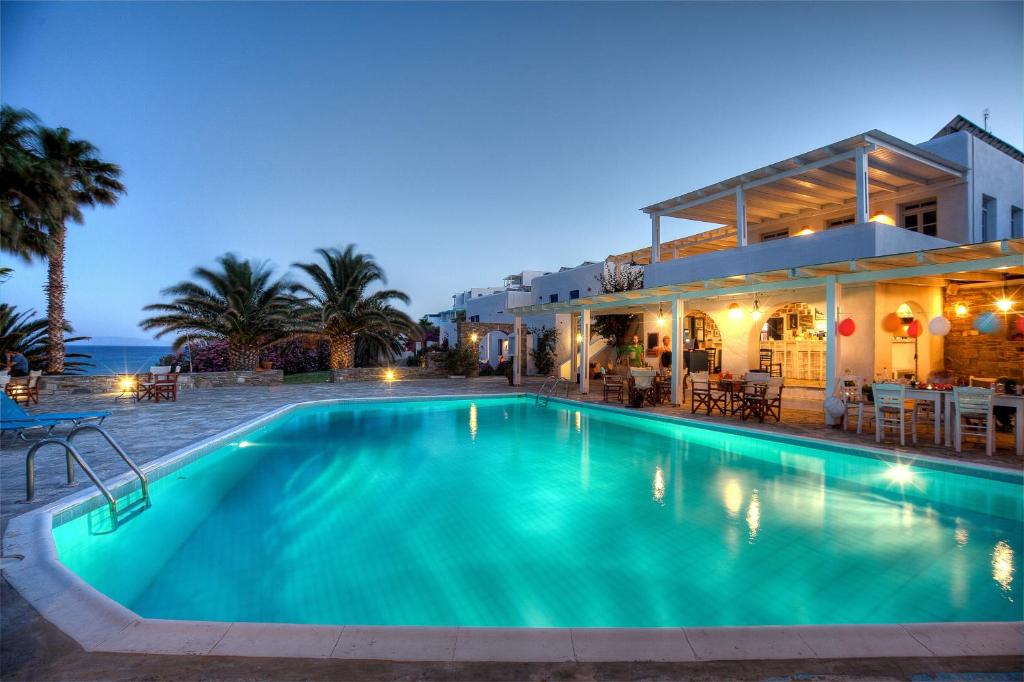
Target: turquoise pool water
(499,512)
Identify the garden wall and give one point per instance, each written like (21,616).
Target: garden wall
(108,383)
(339,376)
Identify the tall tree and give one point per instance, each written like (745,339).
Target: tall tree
(85,181)
(30,190)
(339,305)
(25,333)
(241,303)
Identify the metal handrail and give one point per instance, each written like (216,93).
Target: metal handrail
(117,448)
(554,387)
(70,452)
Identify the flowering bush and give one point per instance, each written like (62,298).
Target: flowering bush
(292,356)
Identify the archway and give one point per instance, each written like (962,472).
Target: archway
(792,339)
(701,333)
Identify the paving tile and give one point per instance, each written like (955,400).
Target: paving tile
(970,639)
(861,641)
(396,644)
(511,645)
(735,644)
(614,644)
(278,639)
(168,637)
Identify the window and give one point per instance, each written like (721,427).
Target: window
(921,216)
(775,234)
(553,298)
(575,293)
(840,222)
(988,218)
(1016,222)
(474,318)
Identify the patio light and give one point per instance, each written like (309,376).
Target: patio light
(881,217)
(1004,304)
(389,375)
(961,310)
(661,317)
(579,337)
(755,314)
(473,337)
(126,383)
(804,231)
(734,311)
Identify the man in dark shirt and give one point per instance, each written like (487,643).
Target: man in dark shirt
(17,364)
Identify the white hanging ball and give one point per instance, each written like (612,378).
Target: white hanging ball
(939,326)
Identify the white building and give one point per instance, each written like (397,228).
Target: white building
(795,244)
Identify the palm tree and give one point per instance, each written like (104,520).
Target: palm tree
(29,187)
(84,180)
(240,303)
(25,333)
(338,305)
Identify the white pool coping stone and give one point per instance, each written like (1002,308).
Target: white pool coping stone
(99,624)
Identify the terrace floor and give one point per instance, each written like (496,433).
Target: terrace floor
(33,649)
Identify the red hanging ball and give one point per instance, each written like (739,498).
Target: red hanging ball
(846,327)
(914,329)
(1020,324)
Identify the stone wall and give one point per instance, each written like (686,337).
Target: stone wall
(108,383)
(968,352)
(377,373)
(481,329)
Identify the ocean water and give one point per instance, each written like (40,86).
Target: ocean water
(500,512)
(119,359)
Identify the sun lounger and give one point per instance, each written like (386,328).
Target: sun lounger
(14,418)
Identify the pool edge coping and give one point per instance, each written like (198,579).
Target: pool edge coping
(99,624)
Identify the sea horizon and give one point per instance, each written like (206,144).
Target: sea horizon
(118,359)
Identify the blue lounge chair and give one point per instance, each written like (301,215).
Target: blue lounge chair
(14,418)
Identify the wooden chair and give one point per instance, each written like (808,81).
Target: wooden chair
(25,389)
(712,360)
(159,383)
(662,388)
(974,417)
(855,404)
(891,411)
(706,394)
(766,362)
(763,400)
(613,386)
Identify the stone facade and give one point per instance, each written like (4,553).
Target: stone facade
(968,352)
(481,329)
(108,383)
(339,376)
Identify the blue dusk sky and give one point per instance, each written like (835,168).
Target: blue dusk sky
(459,143)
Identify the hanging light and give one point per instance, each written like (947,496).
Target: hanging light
(755,314)
(961,310)
(1004,305)
(734,311)
(661,317)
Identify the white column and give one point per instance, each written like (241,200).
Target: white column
(741,217)
(655,237)
(517,351)
(678,317)
(833,356)
(585,352)
(863,199)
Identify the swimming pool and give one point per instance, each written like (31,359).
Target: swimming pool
(499,512)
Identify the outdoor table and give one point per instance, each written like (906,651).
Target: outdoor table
(733,387)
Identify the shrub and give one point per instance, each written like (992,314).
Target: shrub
(544,357)
(462,362)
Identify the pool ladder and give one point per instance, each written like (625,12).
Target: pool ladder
(546,390)
(73,455)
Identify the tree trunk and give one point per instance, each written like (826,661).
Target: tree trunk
(343,351)
(243,358)
(55,303)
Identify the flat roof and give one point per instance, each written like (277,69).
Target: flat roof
(812,181)
(932,267)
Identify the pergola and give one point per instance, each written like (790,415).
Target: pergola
(988,261)
(846,173)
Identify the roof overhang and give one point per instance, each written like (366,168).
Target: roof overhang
(987,261)
(815,181)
